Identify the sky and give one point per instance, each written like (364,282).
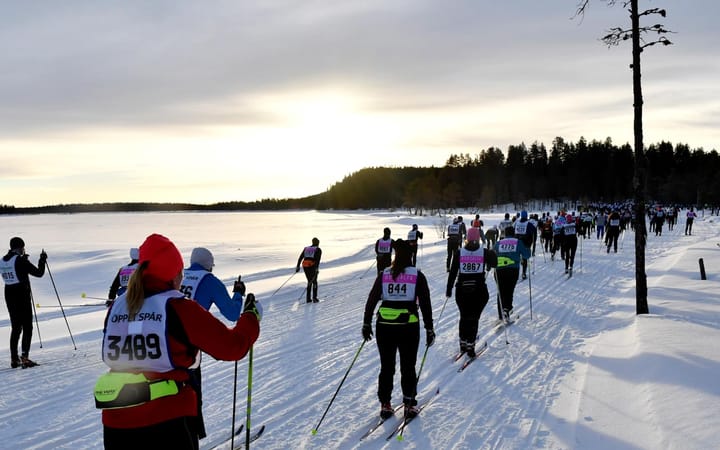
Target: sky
(193,102)
(578,370)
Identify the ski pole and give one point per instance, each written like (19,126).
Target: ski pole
(366,270)
(530,287)
(581,254)
(77,305)
(37,325)
(422,363)
(314,431)
(249,399)
(60,303)
(276,290)
(232,430)
(499,305)
(443,308)
(83,295)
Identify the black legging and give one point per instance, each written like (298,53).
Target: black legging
(506,280)
(21,321)
(392,339)
(570,245)
(470,306)
(311,275)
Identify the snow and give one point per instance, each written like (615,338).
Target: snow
(581,370)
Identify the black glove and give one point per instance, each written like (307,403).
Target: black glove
(43,255)
(297,269)
(429,337)
(448,292)
(367,332)
(253,306)
(239,286)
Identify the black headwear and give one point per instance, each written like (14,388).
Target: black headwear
(16,243)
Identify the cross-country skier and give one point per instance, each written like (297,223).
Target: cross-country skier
(471,293)
(152,336)
(15,268)
(401,290)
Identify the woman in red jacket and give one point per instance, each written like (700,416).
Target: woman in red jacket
(152,335)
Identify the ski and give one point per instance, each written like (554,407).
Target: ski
(400,429)
(220,441)
(379,423)
(457,356)
(469,360)
(253,438)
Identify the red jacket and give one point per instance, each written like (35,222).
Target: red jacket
(190,327)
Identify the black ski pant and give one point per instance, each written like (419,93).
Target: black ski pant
(21,322)
(177,434)
(570,245)
(453,248)
(198,422)
(311,274)
(470,305)
(688,226)
(506,280)
(383,261)
(393,339)
(612,238)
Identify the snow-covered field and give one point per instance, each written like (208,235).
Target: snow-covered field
(583,373)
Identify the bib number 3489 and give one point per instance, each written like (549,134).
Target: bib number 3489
(134,347)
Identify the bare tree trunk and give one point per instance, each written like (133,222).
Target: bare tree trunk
(641,303)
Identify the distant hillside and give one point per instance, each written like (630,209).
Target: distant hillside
(578,172)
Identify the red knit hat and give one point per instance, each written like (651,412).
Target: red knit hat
(163,258)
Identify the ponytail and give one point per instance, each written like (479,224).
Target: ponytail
(135,296)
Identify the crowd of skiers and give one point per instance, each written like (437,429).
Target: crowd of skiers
(158,318)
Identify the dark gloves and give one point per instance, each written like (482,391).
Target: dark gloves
(367,332)
(239,286)
(448,292)
(253,306)
(43,256)
(429,337)
(297,269)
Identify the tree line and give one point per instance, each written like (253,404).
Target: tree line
(577,172)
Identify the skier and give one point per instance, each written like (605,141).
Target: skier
(15,268)
(502,226)
(510,251)
(453,242)
(689,218)
(119,284)
(201,285)
(412,240)
(400,289)
(310,260)
(613,231)
(527,233)
(383,250)
(152,335)
(491,236)
(570,242)
(471,294)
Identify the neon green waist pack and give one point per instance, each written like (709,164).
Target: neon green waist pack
(123,390)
